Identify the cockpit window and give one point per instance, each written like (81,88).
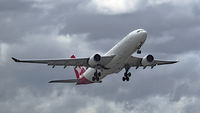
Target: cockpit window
(138,31)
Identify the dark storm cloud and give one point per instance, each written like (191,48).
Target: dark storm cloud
(15,6)
(157,21)
(14,19)
(40,30)
(19,18)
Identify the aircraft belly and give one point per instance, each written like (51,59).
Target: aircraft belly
(116,67)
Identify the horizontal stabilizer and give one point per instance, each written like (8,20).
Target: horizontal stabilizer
(64,81)
(16,60)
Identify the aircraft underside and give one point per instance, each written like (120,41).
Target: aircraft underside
(95,68)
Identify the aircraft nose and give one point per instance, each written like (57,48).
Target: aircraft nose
(142,33)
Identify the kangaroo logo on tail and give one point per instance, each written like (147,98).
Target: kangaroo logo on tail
(79,70)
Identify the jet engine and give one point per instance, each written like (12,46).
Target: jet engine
(94,60)
(147,60)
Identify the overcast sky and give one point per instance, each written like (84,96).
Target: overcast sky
(46,29)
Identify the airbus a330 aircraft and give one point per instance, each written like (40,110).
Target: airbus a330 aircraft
(95,68)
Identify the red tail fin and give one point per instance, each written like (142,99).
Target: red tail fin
(78,70)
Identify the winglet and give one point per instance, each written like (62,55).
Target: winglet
(176,61)
(16,60)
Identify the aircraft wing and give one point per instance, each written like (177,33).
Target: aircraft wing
(67,61)
(136,62)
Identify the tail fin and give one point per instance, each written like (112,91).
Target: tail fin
(79,70)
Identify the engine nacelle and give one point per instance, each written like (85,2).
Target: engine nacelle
(94,60)
(147,60)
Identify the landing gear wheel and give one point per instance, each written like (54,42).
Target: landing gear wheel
(99,74)
(127,78)
(93,78)
(97,78)
(129,74)
(125,75)
(123,78)
(95,74)
(139,51)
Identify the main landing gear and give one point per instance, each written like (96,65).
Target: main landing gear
(126,74)
(96,76)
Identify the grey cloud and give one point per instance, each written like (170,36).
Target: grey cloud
(157,21)
(57,99)
(15,6)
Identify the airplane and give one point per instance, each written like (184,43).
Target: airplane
(93,69)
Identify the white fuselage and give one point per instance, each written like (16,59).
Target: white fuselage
(122,51)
